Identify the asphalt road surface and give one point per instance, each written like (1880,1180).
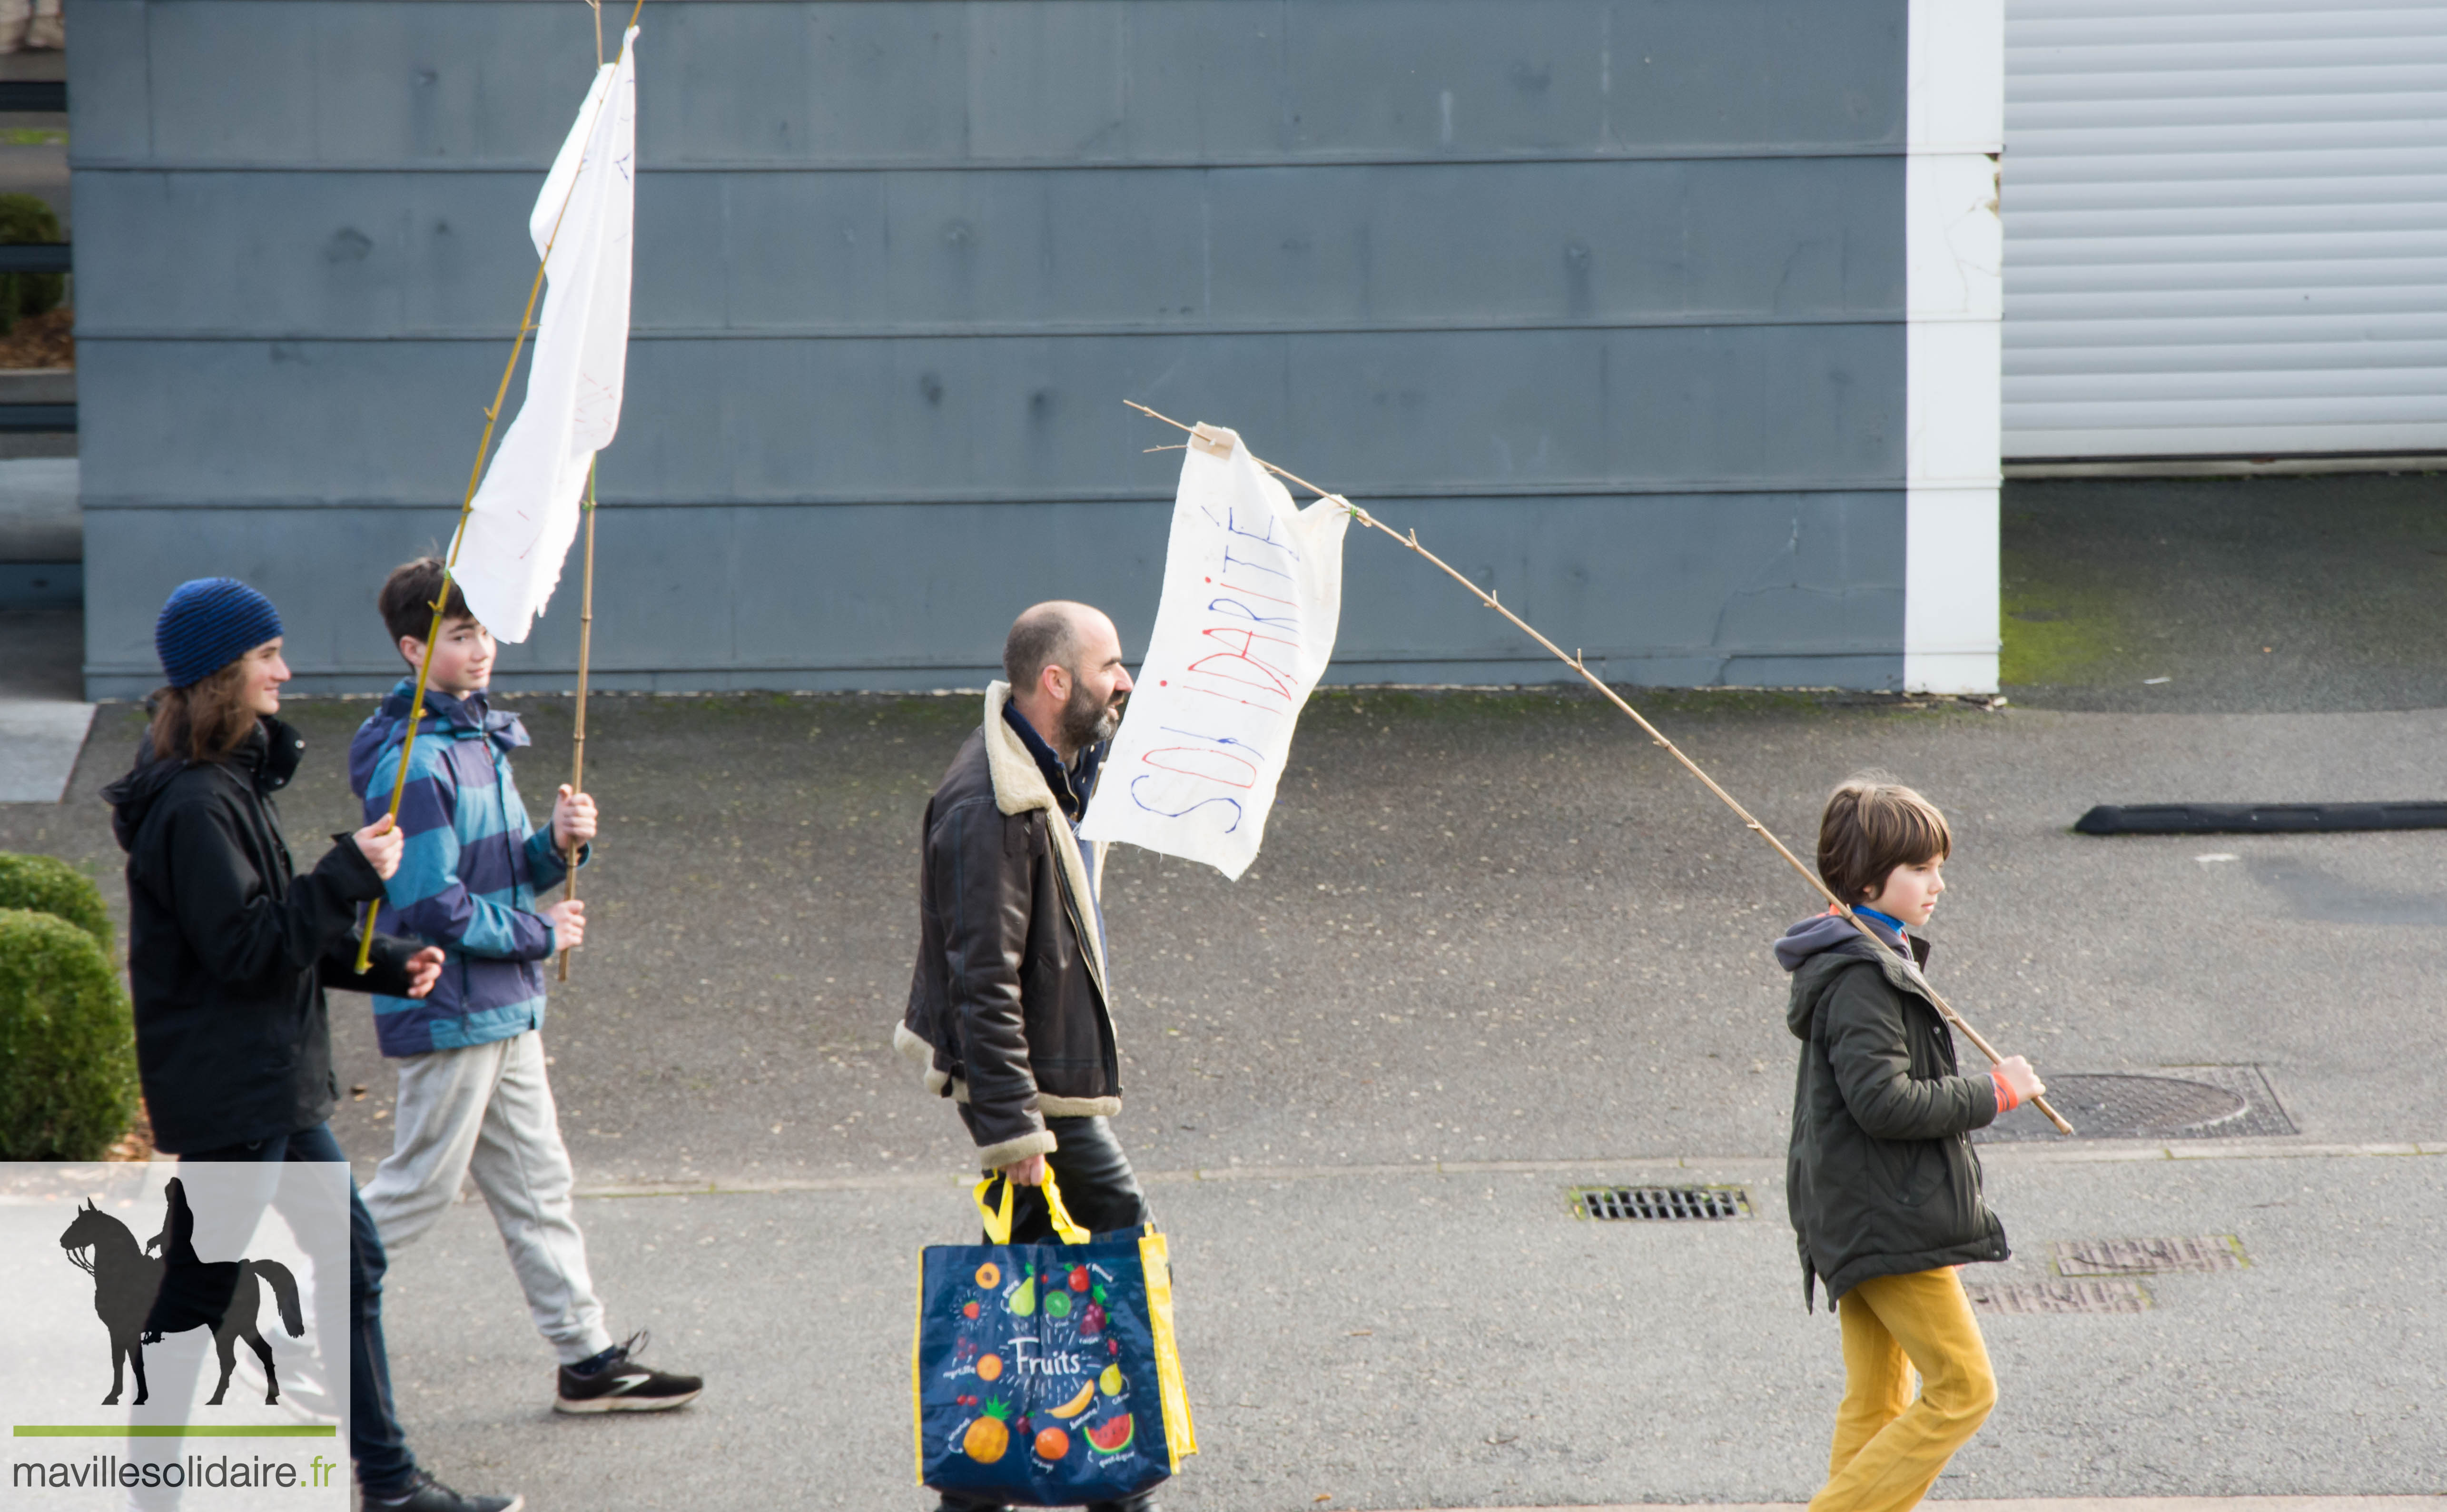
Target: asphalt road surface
(1497,947)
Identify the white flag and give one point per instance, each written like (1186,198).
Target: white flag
(527,513)
(1252,595)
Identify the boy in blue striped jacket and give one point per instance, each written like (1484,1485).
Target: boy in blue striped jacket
(472,1094)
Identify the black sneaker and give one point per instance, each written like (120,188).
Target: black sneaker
(620,1385)
(426,1494)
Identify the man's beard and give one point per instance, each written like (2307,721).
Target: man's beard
(1087,722)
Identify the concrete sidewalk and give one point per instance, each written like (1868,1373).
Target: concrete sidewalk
(1416,1339)
(43,713)
(39,743)
(44,718)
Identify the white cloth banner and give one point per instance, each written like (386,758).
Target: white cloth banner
(1252,596)
(527,513)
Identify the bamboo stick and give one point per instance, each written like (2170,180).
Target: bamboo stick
(467,506)
(577,737)
(586,597)
(1574,662)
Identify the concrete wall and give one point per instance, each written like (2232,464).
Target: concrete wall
(1606,299)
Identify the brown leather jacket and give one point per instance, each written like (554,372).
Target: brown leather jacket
(1008,1006)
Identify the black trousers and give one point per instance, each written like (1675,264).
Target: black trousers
(1099,1190)
(1102,1194)
(384,1468)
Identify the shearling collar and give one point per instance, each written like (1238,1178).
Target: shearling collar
(1018,786)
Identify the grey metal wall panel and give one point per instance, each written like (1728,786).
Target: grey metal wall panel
(1603,296)
(450,84)
(109,81)
(371,254)
(1022,419)
(1792,588)
(329,82)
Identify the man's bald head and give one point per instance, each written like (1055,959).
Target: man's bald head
(1067,678)
(1047,634)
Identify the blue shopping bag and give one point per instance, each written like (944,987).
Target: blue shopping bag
(1046,1375)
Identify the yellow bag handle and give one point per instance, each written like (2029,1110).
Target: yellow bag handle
(1173,1393)
(998,1222)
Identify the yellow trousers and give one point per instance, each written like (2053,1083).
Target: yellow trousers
(1890,1444)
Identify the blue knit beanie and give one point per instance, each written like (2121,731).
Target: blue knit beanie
(208,624)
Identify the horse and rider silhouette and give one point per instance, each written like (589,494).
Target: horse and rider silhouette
(140,1299)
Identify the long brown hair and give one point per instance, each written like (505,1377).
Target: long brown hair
(204,721)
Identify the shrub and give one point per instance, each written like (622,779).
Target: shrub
(67,1043)
(25,219)
(46,885)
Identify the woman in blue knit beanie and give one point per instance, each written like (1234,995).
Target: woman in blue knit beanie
(219,645)
(230,949)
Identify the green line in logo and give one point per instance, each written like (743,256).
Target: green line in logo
(176,1431)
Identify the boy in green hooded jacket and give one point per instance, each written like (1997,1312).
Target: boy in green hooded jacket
(1882,1181)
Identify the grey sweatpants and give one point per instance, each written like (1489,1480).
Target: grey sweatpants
(487,1110)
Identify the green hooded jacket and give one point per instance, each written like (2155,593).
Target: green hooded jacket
(1882,1179)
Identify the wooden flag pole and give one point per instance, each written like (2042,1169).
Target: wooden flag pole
(466,507)
(1808,875)
(442,594)
(578,735)
(586,608)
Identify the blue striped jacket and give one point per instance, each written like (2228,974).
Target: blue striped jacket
(469,874)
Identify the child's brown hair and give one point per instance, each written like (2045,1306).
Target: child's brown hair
(1873,824)
(407,599)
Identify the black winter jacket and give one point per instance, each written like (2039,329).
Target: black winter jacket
(1882,1179)
(228,950)
(1007,1005)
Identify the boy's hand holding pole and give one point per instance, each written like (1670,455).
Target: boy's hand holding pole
(573,828)
(2018,1075)
(568,921)
(573,821)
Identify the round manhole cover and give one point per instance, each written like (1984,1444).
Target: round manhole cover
(2130,1107)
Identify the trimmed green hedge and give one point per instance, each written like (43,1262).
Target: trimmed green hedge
(67,1043)
(25,219)
(49,885)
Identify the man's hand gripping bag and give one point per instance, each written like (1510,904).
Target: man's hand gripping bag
(1046,1375)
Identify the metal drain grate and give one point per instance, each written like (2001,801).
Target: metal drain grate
(2213,1252)
(2187,1102)
(1660,1201)
(2058,1296)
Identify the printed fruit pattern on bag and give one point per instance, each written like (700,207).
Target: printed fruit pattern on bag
(1036,1346)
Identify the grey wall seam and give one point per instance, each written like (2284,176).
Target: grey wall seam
(966,165)
(1758,487)
(1020,331)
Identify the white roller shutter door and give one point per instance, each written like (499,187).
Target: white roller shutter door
(2225,228)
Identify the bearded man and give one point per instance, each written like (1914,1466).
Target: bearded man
(1008,1008)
